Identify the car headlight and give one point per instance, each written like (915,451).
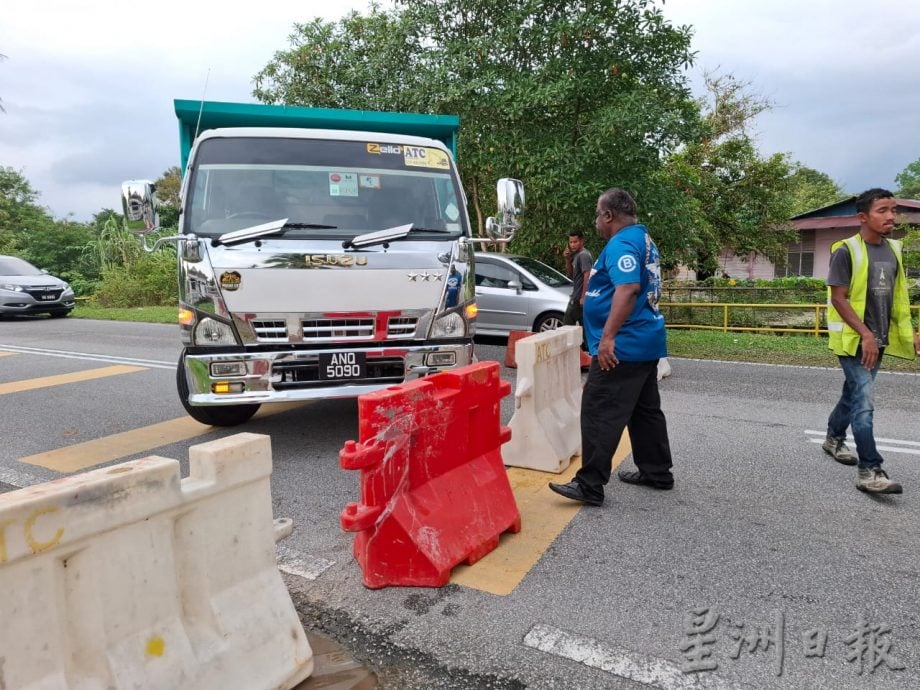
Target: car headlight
(67,288)
(449,326)
(213,332)
(12,288)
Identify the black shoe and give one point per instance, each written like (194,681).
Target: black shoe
(644,480)
(575,491)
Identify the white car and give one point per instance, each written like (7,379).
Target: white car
(517,293)
(25,289)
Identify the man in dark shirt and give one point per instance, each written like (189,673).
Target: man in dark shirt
(578,263)
(869,316)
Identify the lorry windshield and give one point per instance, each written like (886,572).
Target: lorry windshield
(326,189)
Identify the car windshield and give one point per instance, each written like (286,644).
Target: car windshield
(546,274)
(325,189)
(11,266)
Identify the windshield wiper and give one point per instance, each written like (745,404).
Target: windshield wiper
(385,236)
(275,227)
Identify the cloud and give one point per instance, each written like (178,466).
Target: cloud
(88,86)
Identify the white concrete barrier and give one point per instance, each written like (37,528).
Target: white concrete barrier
(127,577)
(545,427)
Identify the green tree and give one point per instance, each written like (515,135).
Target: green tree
(908,181)
(736,198)
(812,189)
(167,186)
(20,213)
(570,97)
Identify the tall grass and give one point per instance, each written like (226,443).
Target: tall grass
(131,277)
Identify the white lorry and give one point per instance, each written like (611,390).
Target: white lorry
(321,253)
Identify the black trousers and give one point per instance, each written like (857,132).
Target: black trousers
(625,397)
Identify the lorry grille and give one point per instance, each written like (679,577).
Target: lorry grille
(305,374)
(270,331)
(335,330)
(401,326)
(321,330)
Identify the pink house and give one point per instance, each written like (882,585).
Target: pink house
(818,230)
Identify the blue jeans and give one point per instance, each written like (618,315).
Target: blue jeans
(855,409)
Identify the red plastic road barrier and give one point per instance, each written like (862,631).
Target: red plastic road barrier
(513,337)
(434,491)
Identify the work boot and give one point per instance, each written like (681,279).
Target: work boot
(874,480)
(837,449)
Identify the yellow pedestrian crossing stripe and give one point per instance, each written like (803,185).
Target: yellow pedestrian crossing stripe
(543,517)
(61,379)
(108,448)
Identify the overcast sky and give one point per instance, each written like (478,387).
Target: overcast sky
(88,84)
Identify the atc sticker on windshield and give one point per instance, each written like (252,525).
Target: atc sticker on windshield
(425,157)
(343,184)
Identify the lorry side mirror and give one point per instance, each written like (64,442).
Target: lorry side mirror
(510,206)
(139,203)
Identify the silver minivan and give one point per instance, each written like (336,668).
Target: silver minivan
(517,293)
(25,289)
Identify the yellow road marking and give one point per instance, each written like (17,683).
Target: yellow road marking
(7,354)
(82,455)
(543,517)
(60,379)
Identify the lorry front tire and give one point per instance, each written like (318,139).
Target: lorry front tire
(221,415)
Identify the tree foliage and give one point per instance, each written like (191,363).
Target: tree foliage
(571,97)
(168,185)
(812,189)
(20,213)
(737,199)
(908,181)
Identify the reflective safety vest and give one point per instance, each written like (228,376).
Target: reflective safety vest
(843,340)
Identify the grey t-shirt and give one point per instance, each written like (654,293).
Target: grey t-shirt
(581,264)
(883,269)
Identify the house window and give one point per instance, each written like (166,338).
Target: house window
(800,257)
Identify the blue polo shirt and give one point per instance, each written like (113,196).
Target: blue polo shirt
(629,257)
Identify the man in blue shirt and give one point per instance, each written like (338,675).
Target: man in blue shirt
(626,338)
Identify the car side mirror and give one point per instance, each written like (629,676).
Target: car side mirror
(516,286)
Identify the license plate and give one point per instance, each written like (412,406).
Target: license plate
(342,365)
(49,297)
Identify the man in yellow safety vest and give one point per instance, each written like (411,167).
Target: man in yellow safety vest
(868,315)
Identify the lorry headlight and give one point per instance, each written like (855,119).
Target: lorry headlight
(213,332)
(449,326)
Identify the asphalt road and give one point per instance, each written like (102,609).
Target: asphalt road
(764,537)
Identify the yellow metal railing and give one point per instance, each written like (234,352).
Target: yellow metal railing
(816,328)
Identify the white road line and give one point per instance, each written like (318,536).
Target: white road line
(850,438)
(890,449)
(786,366)
(899,448)
(619,661)
(293,562)
(111,359)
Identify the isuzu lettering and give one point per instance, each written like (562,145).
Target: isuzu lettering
(321,253)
